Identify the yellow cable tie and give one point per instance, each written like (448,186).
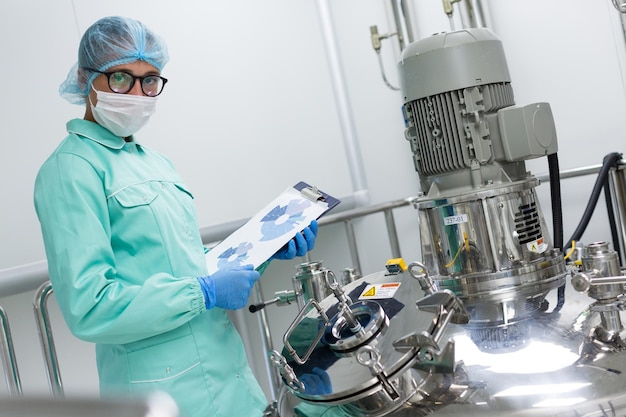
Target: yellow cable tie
(571,251)
(458,252)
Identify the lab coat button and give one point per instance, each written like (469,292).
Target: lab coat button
(168,370)
(238,375)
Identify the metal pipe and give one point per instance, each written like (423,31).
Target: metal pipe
(23,278)
(45,337)
(364,211)
(272,372)
(354,250)
(407,12)
(484,14)
(572,173)
(393,234)
(346,121)
(617,184)
(400,24)
(9,363)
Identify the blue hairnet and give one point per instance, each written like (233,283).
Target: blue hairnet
(109,42)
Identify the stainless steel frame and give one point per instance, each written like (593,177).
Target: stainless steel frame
(21,279)
(40,305)
(9,363)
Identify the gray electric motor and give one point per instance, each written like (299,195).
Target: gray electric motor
(482,231)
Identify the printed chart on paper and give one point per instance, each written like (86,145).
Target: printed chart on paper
(270,229)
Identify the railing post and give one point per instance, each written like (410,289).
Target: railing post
(8,356)
(354,250)
(45,337)
(393,234)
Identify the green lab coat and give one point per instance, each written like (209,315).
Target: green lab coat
(124,251)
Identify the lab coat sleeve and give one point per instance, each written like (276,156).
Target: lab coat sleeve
(97,304)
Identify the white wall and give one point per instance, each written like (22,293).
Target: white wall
(250,109)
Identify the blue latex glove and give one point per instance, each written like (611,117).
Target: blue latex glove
(317,382)
(300,244)
(229,289)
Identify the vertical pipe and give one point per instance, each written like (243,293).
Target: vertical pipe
(617,184)
(354,251)
(45,337)
(9,362)
(350,140)
(266,336)
(407,12)
(482,11)
(400,23)
(393,234)
(470,10)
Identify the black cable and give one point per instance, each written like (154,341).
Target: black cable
(555,195)
(557,217)
(611,213)
(608,162)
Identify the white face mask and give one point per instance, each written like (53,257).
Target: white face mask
(122,114)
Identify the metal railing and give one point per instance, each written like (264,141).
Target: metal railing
(348,216)
(9,362)
(22,279)
(44,329)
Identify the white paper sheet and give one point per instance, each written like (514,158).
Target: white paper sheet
(265,233)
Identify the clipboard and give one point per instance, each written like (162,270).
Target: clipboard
(271,228)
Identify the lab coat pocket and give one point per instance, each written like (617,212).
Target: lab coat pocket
(136,195)
(172,363)
(182,187)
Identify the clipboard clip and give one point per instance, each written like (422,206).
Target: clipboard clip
(312,193)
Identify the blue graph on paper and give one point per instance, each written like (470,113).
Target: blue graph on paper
(266,232)
(234,257)
(282,219)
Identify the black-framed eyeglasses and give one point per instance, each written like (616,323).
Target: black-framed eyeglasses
(122,82)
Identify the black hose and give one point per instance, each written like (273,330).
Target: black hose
(555,194)
(557,217)
(608,162)
(611,214)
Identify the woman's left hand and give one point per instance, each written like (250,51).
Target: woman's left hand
(300,244)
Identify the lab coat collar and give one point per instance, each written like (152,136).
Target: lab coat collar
(95,132)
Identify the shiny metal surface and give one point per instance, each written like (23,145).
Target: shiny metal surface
(561,370)
(348,377)
(7,356)
(490,248)
(44,329)
(308,282)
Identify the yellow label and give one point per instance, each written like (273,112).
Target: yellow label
(380,291)
(369,293)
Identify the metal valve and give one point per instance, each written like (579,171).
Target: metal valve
(281,298)
(370,356)
(601,279)
(286,371)
(344,302)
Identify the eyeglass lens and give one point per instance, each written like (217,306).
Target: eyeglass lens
(122,82)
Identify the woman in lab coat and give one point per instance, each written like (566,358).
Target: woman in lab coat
(122,240)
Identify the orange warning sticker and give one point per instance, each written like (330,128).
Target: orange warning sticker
(379,291)
(537,246)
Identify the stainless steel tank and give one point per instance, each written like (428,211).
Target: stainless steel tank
(415,353)
(477,327)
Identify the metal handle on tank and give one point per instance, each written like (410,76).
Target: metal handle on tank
(292,327)
(426,282)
